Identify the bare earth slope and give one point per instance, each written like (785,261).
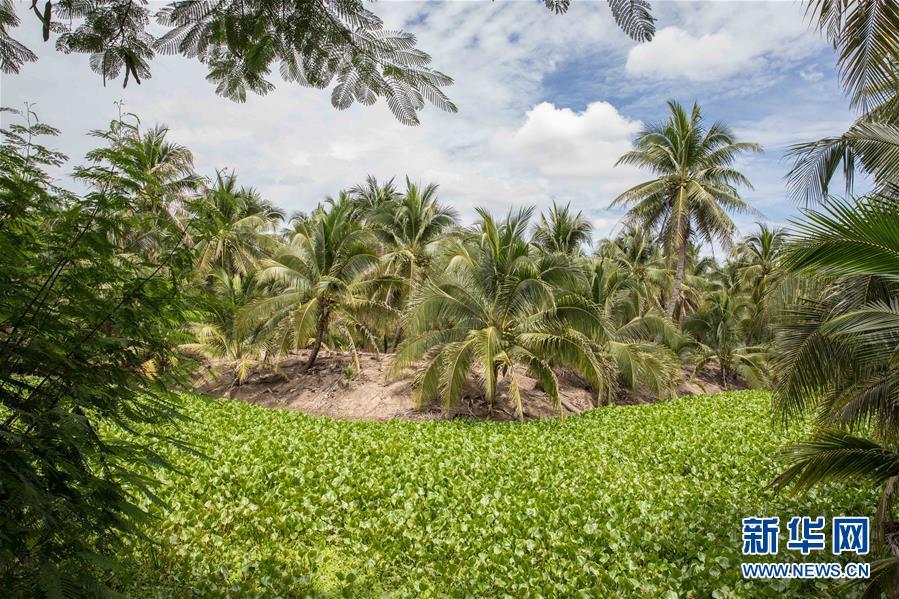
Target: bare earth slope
(329,390)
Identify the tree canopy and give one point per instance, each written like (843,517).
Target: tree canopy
(318,44)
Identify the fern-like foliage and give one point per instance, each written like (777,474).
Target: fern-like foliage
(634,17)
(87,322)
(315,44)
(12,53)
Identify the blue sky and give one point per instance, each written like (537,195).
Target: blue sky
(547,104)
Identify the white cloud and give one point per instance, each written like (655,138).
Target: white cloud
(507,146)
(726,40)
(676,53)
(811,74)
(560,142)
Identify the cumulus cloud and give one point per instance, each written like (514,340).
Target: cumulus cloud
(726,40)
(507,146)
(676,53)
(560,142)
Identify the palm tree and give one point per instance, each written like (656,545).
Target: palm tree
(562,231)
(220,335)
(871,144)
(864,33)
(836,355)
(411,228)
(640,343)
(157,173)
(716,327)
(240,225)
(320,284)
(640,263)
(694,188)
(757,259)
(371,196)
(498,306)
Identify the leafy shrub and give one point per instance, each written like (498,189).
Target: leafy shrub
(89,304)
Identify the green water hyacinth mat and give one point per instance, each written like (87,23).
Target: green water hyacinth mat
(642,501)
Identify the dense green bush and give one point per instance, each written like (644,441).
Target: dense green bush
(627,501)
(92,294)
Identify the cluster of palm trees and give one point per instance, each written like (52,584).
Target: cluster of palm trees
(813,314)
(383,269)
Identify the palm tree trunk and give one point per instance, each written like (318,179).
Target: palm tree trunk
(678,278)
(320,329)
(396,339)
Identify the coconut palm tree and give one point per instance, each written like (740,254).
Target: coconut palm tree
(371,196)
(828,349)
(157,173)
(220,335)
(639,261)
(837,353)
(639,343)
(562,231)
(240,226)
(864,34)
(716,327)
(694,188)
(500,305)
(871,145)
(320,284)
(411,228)
(757,259)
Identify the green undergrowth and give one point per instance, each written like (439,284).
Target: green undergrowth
(641,501)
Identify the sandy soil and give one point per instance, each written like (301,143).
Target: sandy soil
(326,390)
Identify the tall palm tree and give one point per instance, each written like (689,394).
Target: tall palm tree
(562,231)
(320,283)
(240,226)
(695,185)
(157,173)
(757,258)
(498,306)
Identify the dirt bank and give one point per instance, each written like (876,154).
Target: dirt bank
(334,387)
